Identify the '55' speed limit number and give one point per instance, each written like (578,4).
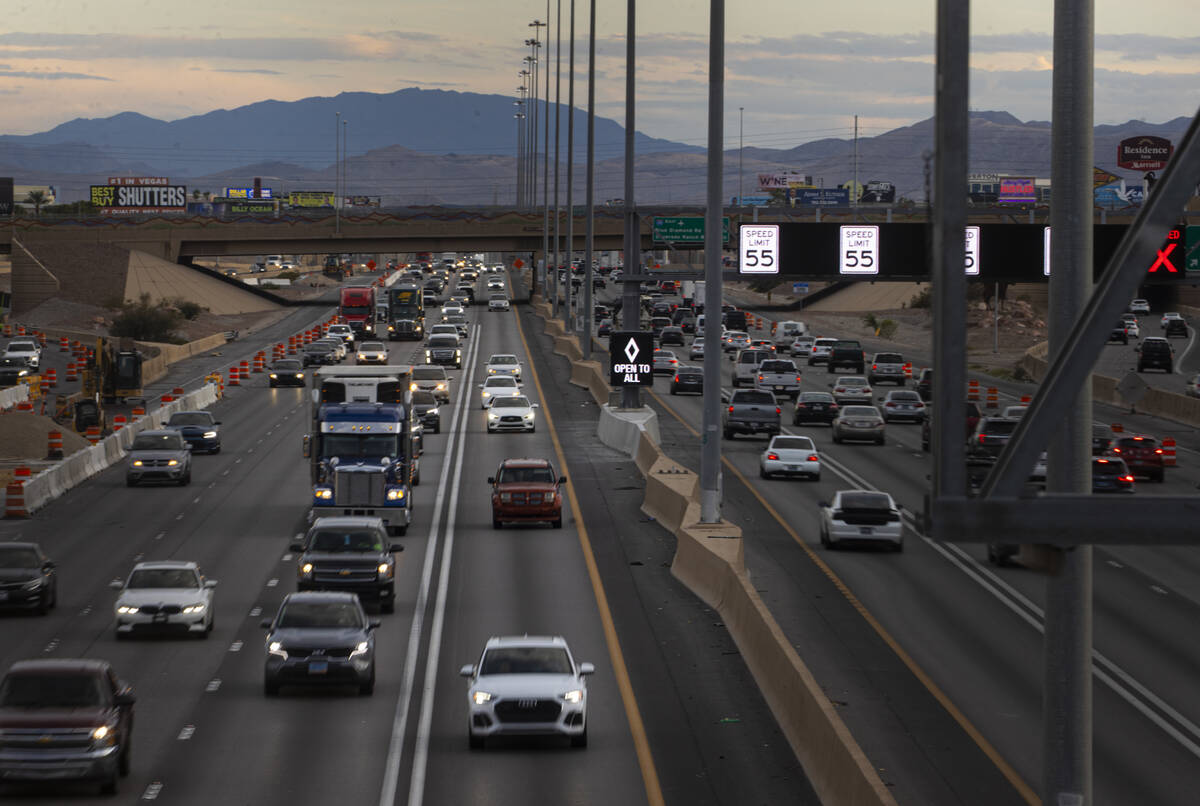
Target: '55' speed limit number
(758,251)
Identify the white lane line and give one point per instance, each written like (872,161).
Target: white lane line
(50,647)
(457,434)
(255,612)
(152,791)
(1114,563)
(213,685)
(1123,684)
(1159,591)
(287,558)
(271,583)
(416,790)
(236,646)
(186,733)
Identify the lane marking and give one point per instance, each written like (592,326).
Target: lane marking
(1158,590)
(152,791)
(1010,774)
(271,583)
(391,776)
(187,733)
(213,685)
(236,646)
(255,612)
(633,715)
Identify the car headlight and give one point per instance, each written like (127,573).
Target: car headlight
(481,697)
(428,354)
(458,353)
(192,609)
(275,648)
(299,375)
(412,387)
(574,695)
(441,386)
(491,371)
(210,434)
(491,415)
(105,735)
(137,462)
(386,569)
(172,462)
(485,393)
(395,494)
(322,493)
(362,356)
(306,569)
(274,376)
(529,415)
(127,610)
(360,649)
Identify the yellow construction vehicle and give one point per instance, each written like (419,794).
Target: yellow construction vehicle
(112,374)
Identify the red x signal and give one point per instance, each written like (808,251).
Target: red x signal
(1165,260)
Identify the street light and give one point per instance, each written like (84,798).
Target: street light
(520,118)
(531,126)
(741,148)
(536,43)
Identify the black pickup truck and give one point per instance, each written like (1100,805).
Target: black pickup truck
(847,353)
(65,719)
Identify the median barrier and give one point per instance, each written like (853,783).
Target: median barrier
(568,347)
(669,490)
(13,395)
(647,452)
(588,374)
(622,429)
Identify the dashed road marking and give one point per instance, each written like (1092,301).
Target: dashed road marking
(286,558)
(179,517)
(87,611)
(1114,563)
(255,612)
(160,535)
(272,583)
(152,791)
(213,685)
(1159,591)
(236,646)
(186,733)
(51,646)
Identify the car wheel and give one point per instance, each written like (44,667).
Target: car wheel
(270,687)
(474,742)
(879,441)
(815,476)
(43,603)
(557,522)
(673,390)
(109,785)
(130,483)
(388,605)
(496,524)
(837,438)
(126,760)
(581,739)
(1159,477)
(437,429)
(762,473)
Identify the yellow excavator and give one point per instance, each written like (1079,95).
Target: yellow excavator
(113,374)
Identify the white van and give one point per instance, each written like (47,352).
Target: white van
(788,332)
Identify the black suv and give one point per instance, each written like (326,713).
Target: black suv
(846,353)
(1118,333)
(1176,327)
(348,554)
(990,437)
(27,578)
(1155,352)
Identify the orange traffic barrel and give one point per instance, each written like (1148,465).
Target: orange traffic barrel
(233,376)
(72,375)
(973,391)
(1168,449)
(993,397)
(291,345)
(138,411)
(20,330)
(1117,428)
(260,362)
(50,377)
(93,434)
(244,370)
(178,391)
(64,344)
(25,405)
(22,473)
(14,501)
(168,398)
(54,445)
(908,371)
(118,422)
(8,331)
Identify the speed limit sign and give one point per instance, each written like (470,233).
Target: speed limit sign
(758,251)
(859,253)
(972,250)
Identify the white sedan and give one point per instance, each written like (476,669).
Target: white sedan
(790,456)
(861,516)
(697,349)
(371,352)
(511,414)
(167,596)
(497,386)
(504,364)
(497,302)
(526,685)
(1139,306)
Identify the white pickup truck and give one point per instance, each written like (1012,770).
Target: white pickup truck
(780,376)
(745,366)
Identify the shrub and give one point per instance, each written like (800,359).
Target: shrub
(289,275)
(145,321)
(870,321)
(189,309)
(922,299)
(887,329)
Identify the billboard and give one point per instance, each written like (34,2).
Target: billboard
(132,199)
(21,192)
(822,197)
(363,201)
(1102,177)
(878,192)
(248,193)
(251,206)
(6,195)
(783,181)
(159,181)
(1145,153)
(310,198)
(1017,190)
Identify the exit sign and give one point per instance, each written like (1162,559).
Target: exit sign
(684,229)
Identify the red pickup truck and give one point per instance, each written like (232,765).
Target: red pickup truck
(526,490)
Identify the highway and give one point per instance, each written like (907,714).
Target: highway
(965,637)
(674,716)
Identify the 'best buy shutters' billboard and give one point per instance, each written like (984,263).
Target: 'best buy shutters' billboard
(131,199)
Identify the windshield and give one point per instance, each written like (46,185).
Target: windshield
(860,411)
(51,691)
(506,381)
(754,398)
(816,397)
(163,578)
(318,615)
(158,442)
(526,660)
(423,397)
(191,418)
(428,374)
(336,540)
(287,365)
(502,359)
(517,402)
(526,475)
(442,342)
(19,558)
(371,347)
(359,446)
(865,500)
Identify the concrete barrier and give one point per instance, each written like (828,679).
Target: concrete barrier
(590,376)
(13,395)
(568,347)
(670,489)
(622,428)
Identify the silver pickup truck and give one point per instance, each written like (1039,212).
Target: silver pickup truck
(750,411)
(778,375)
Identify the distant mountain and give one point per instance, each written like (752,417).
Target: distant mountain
(426,121)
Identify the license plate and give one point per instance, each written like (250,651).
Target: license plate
(793,468)
(318,667)
(779,388)
(864,530)
(159,618)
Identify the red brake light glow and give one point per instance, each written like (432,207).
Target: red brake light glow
(774,457)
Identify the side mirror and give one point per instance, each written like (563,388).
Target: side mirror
(210,583)
(587,668)
(491,479)
(534,405)
(467,671)
(49,564)
(306,448)
(116,584)
(395,547)
(295,547)
(124,697)
(373,623)
(265,623)
(562,479)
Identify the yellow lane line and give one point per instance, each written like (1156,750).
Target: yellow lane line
(633,714)
(1018,783)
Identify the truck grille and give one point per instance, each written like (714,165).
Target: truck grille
(345,573)
(49,740)
(358,488)
(528,710)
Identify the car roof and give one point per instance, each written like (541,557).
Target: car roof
(525,640)
(346,521)
(159,432)
(321,596)
(525,462)
(177,564)
(60,665)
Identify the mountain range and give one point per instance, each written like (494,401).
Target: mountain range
(416,146)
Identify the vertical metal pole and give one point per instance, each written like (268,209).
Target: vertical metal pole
(631,397)
(854,189)
(1067,712)
(949,248)
(590,191)
(337,172)
(345,158)
(710,441)
(741,150)
(995,316)
(568,313)
(557,121)
(546,168)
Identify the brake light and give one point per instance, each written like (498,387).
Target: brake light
(874,366)
(774,457)
(731,409)
(812,457)
(802,405)
(797,379)
(760,377)
(981,439)
(1158,450)
(780,411)
(676,378)
(890,404)
(1101,461)
(1116,450)
(1128,479)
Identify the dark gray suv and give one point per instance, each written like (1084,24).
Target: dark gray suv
(348,554)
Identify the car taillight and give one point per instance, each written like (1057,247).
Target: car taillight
(981,439)
(780,411)
(1116,450)
(874,366)
(812,457)
(1128,479)
(839,389)
(833,405)
(802,405)
(890,404)
(1158,450)
(774,457)
(676,378)
(731,409)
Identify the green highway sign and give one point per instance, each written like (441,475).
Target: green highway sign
(684,229)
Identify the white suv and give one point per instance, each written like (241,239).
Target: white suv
(26,350)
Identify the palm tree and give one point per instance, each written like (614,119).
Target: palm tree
(37,198)
(196,195)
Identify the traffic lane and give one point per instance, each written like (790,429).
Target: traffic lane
(522,579)
(200,523)
(710,732)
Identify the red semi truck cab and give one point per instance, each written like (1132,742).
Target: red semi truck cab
(357,309)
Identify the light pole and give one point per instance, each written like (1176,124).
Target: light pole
(535,43)
(546,170)
(557,121)
(741,148)
(710,440)
(590,200)
(337,163)
(530,191)
(568,316)
(630,395)
(345,158)
(520,118)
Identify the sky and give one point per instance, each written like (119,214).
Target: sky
(800,71)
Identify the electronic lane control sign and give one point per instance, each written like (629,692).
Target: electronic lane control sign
(758,249)
(631,358)
(859,251)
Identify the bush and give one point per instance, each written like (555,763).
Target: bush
(145,321)
(870,321)
(289,275)
(922,299)
(189,309)
(886,329)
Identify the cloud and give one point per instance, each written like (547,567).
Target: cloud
(50,76)
(259,72)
